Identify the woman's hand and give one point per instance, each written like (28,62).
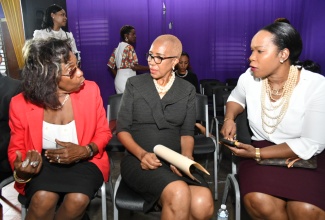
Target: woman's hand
(30,166)
(149,161)
(67,153)
(228,129)
(175,170)
(243,150)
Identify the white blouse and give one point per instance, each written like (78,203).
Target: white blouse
(303,125)
(60,34)
(66,133)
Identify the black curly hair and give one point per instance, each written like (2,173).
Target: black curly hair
(42,71)
(126,29)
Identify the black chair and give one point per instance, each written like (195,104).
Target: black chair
(206,144)
(114,103)
(207,87)
(205,82)
(125,198)
(244,135)
(231,81)
(5,179)
(219,93)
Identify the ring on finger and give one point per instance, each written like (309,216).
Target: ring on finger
(34,163)
(25,163)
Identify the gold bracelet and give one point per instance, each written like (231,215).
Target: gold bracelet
(19,180)
(257,154)
(226,119)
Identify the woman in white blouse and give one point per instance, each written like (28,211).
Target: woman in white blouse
(54,19)
(286,113)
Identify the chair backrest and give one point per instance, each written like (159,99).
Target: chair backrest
(231,81)
(244,133)
(209,85)
(113,107)
(219,94)
(203,81)
(202,111)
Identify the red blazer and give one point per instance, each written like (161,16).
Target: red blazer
(26,122)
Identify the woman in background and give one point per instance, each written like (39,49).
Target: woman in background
(124,61)
(54,19)
(183,71)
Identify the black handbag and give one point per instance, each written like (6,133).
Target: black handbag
(290,162)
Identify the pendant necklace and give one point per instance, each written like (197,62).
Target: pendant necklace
(64,101)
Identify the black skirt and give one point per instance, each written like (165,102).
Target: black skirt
(82,177)
(297,184)
(150,183)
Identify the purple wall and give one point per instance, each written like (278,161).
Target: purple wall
(216,33)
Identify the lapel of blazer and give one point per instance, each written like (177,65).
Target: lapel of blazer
(177,92)
(35,124)
(78,106)
(145,86)
(147,89)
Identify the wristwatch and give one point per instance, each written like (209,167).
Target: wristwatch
(91,151)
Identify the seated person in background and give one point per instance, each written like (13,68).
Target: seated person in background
(8,88)
(183,70)
(159,108)
(59,132)
(286,113)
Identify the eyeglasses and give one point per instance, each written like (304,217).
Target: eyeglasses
(71,72)
(157,59)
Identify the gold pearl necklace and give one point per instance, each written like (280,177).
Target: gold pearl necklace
(273,112)
(162,90)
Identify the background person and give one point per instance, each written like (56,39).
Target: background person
(286,113)
(159,108)
(54,19)
(124,61)
(184,71)
(9,87)
(59,132)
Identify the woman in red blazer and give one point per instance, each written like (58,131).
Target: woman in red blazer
(59,132)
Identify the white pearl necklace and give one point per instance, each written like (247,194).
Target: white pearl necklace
(162,90)
(181,75)
(273,112)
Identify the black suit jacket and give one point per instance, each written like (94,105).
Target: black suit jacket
(9,87)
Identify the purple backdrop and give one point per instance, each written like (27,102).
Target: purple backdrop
(215,33)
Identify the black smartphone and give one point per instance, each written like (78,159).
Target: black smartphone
(229,142)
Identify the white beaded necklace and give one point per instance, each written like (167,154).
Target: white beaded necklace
(162,90)
(271,119)
(181,75)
